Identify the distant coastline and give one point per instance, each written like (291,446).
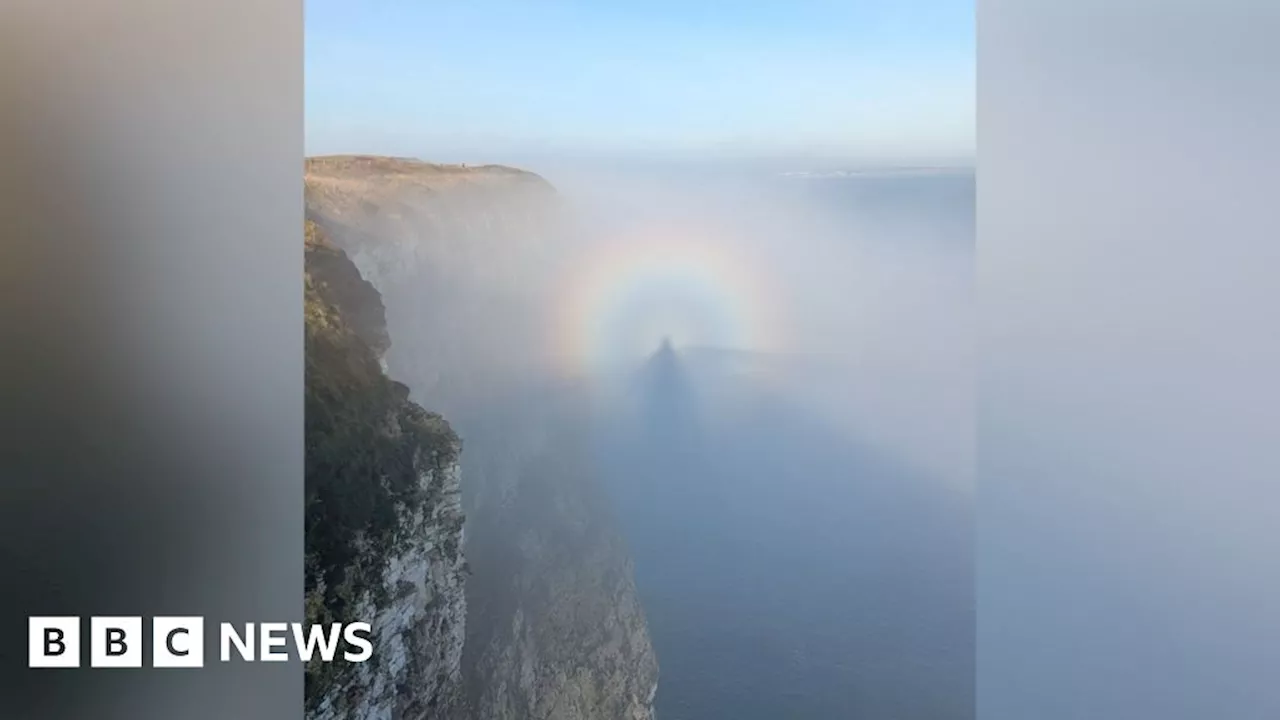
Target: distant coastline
(878,172)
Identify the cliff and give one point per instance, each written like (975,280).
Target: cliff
(458,253)
(383,510)
(460,256)
(555,628)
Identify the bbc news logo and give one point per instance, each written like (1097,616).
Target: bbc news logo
(178,642)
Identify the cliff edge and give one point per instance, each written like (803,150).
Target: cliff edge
(554,629)
(383,510)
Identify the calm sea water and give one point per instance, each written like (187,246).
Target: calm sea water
(789,571)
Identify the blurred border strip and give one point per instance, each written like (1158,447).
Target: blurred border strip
(151,389)
(1129,375)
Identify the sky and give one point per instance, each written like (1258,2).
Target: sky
(453,80)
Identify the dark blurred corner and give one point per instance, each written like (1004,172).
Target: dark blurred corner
(151,377)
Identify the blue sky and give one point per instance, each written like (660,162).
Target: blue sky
(453,79)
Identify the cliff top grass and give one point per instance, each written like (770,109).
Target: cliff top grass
(351,166)
(373,175)
(353,188)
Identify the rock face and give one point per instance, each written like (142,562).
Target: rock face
(554,628)
(384,514)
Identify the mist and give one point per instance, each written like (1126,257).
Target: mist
(862,283)
(762,373)
(851,295)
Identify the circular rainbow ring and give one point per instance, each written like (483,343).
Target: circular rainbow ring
(624,295)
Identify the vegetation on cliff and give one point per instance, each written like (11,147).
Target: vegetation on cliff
(368,448)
